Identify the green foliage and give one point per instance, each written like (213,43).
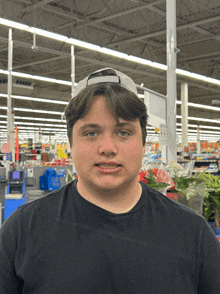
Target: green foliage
(185,184)
(211,205)
(152,182)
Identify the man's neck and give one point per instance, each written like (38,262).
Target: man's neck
(115,201)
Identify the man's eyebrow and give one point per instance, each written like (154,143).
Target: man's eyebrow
(119,125)
(89,126)
(97,126)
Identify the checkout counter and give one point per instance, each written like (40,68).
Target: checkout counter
(16,193)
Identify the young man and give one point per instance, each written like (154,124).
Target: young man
(107,232)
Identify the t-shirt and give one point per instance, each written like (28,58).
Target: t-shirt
(63,244)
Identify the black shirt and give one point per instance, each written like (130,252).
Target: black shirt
(64,244)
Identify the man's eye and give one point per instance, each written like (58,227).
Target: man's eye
(91,134)
(124,133)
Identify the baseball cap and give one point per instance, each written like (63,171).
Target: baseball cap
(106,75)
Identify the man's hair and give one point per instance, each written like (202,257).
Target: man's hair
(122,102)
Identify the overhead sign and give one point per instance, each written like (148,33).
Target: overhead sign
(156,108)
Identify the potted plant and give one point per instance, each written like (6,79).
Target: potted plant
(191,191)
(157,179)
(212,200)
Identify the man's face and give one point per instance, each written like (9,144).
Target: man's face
(106,156)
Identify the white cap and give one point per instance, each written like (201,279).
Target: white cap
(106,75)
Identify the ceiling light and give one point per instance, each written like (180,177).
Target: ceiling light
(39,99)
(200,126)
(203,106)
(83,44)
(197,76)
(38,111)
(13,24)
(104,50)
(200,106)
(200,119)
(47,34)
(40,78)
(37,118)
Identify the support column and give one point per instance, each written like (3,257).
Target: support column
(171,80)
(184,114)
(72,70)
(10,130)
(198,141)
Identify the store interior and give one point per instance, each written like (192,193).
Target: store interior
(47,47)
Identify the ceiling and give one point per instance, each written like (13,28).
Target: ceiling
(134,27)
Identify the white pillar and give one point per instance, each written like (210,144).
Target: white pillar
(72,70)
(198,141)
(10,131)
(40,136)
(12,137)
(171,80)
(184,114)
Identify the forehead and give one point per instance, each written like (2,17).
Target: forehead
(101,114)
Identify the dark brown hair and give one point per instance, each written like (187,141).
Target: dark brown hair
(122,102)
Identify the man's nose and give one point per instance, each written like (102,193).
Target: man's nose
(108,146)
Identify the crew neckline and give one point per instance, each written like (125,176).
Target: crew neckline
(98,210)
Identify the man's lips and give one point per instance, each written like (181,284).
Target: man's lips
(112,162)
(108,167)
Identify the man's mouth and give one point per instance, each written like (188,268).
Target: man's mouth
(107,166)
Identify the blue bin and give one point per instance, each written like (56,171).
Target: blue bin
(49,181)
(216,230)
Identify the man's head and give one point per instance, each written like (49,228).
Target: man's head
(106,125)
(120,93)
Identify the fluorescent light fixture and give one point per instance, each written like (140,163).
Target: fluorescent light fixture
(13,24)
(200,119)
(38,99)
(83,44)
(40,78)
(200,132)
(34,110)
(2,71)
(200,106)
(197,76)
(104,50)
(38,111)
(40,124)
(147,62)
(114,53)
(200,126)
(47,34)
(203,106)
(37,118)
